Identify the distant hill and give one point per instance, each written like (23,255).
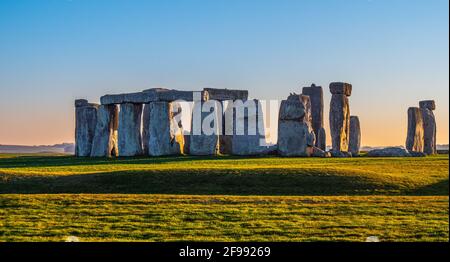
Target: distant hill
(67,148)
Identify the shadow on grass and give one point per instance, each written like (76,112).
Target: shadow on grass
(214,182)
(439,188)
(49,161)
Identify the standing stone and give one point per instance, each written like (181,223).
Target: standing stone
(315,94)
(355,136)
(248,130)
(414,139)
(226,138)
(105,142)
(130,141)
(295,135)
(85,122)
(202,143)
(145,127)
(165,136)
(429,126)
(340,116)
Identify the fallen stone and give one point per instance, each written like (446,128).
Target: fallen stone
(389,152)
(85,122)
(226,94)
(105,142)
(130,141)
(355,136)
(414,139)
(317,152)
(340,154)
(340,88)
(417,154)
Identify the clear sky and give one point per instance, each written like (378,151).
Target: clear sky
(394,52)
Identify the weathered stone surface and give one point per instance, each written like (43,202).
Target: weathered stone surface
(315,94)
(429,131)
(295,138)
(166,137)
(389,152)
(429,126)
(295,134)
(85,122)
(293,108)
(226,94)
(81,102)
(340,88)
(105,142)
(226,138)
(152,95)
(414,139)
(201,143)
(428,104)
(173,95)
(340,154)
(135,98)
(145,127)
(187,144)
(251,139)
(321,139)
(417,154)
(130,141)
(339,122)
(355,136)
(317,152)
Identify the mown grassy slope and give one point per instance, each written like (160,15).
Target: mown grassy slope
(222,218)
(225,175)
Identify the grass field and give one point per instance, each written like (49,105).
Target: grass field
(47,198)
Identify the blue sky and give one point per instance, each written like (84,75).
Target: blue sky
(394,52)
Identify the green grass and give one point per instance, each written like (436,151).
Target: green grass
(225,175)
(222,218)
(223,199)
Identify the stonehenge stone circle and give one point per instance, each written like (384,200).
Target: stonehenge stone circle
(429,126)
(130,141)
(295,135)
(105,142)
(415,138)
(340,116)
(315,94)
(355,136)
(149,122)
(85,122)
(162,140)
